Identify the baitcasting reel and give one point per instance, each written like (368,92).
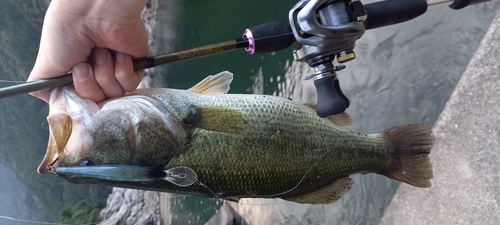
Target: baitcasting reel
(327,30)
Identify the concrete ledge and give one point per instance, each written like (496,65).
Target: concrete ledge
(466,155)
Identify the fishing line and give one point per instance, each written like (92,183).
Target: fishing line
(178,196)
(12,81)
(273,36)
(224,200)
(175,196)
(261,204)
(273,195)
(48,223)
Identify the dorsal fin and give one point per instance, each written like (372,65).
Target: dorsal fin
(310,105)
(342,119)
(214,84)
(327,194)
(233,199)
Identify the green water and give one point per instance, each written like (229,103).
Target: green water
(207,22)
(403,74)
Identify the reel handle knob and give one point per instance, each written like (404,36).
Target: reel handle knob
(331,100)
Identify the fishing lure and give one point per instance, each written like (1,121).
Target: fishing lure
(181,176)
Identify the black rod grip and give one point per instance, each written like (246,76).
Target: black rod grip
(460,4)
(391,12)
(269,37)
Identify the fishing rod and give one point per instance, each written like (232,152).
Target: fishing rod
(271,36)
(274,35)
(325,30)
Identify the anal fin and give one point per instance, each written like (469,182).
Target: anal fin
(329,193)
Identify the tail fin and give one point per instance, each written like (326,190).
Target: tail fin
(410,146)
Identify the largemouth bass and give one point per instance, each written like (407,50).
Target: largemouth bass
(236,145)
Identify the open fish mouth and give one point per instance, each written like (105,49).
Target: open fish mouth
(82,133)
(60,126)
(67,134)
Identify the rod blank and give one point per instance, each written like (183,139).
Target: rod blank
(141,63)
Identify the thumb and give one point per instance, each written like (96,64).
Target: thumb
(43,69)
(51,63)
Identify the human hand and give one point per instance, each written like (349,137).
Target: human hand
(95,40)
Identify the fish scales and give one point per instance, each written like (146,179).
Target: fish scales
(282,145)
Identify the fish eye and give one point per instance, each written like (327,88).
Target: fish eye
(87,162)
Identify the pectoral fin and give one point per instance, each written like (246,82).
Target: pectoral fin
(327,194)
(214,84)
(220,119)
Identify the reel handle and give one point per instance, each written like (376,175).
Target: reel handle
(331,100)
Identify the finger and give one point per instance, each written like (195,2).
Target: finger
(37,74)
(140,75)
(85,84)
(104,71)
(124,72)
(131,39)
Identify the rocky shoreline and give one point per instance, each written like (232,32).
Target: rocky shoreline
(129,206)
(466,152)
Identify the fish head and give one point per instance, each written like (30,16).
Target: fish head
(67,134)
(131,130)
